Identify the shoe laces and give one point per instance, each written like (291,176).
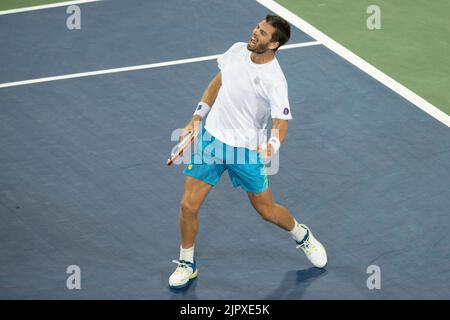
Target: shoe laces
(306,245)
(182,266)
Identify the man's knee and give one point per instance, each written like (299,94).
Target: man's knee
(189,207)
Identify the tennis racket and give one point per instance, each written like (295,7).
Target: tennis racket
(181,146)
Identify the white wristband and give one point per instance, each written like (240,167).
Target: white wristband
(202,110)
(275,142)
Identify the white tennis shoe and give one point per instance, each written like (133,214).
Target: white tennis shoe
(314,250)
(185,272)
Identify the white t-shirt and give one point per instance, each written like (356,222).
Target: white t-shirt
(250,94)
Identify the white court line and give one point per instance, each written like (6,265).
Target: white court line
(300,45)
(46,6)
(357,61)
(133,68)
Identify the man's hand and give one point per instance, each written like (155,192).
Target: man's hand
(278,133)
(192,125)
(265,150)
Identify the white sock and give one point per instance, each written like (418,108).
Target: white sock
(187,254)
(298,233)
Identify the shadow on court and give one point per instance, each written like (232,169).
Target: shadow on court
(296,282)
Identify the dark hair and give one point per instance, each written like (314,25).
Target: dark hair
(282,29)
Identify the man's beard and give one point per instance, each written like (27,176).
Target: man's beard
(260,48)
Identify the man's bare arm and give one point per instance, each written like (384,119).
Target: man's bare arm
(279,130)
(208,97)
(210,94)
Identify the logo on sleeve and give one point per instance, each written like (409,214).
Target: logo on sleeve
(199,107)
(286,111)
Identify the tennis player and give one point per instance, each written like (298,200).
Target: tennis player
(249,89)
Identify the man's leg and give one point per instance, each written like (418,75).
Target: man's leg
(195,192)
(279,215)
(270,211)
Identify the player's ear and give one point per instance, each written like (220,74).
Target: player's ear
(274,45)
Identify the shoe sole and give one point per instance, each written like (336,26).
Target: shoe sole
(184,285)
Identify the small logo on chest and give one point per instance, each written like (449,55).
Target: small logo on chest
(256,80)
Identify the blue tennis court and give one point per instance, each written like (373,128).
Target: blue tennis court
(84,181)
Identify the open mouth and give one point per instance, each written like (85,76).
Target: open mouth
(253,40)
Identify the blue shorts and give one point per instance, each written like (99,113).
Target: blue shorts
(212,157)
